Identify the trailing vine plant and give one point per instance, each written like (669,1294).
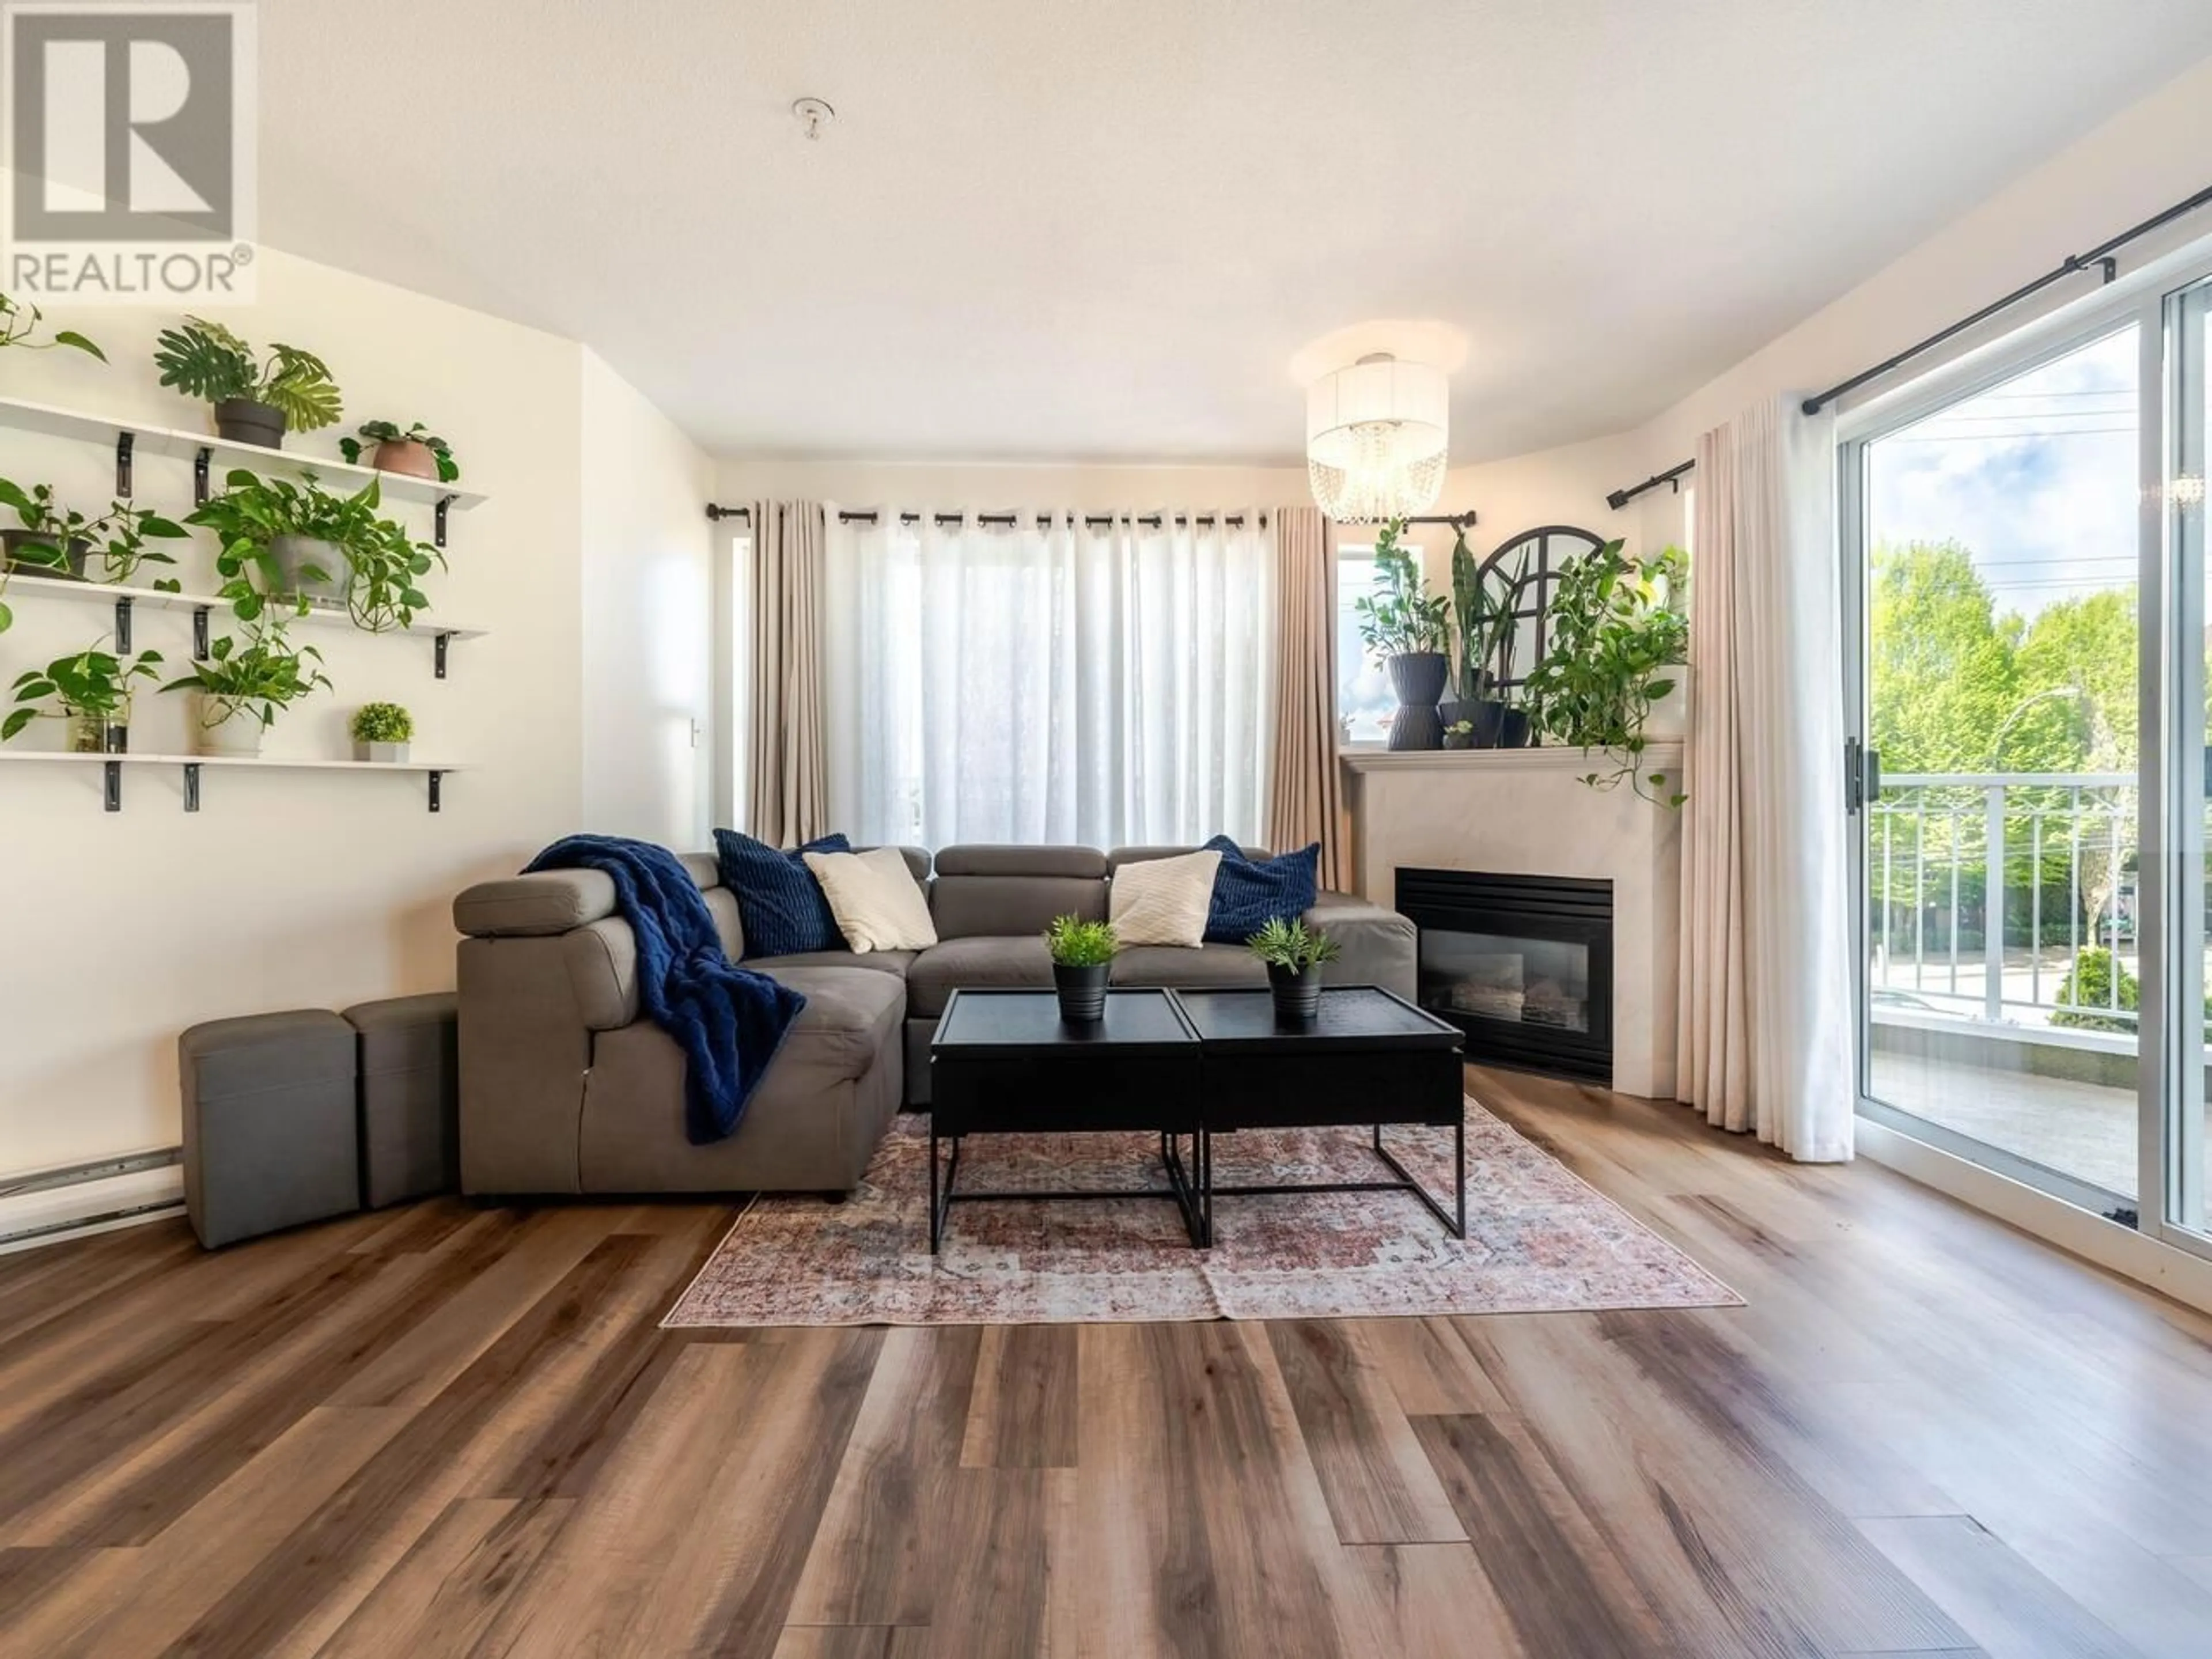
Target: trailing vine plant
(1617,625)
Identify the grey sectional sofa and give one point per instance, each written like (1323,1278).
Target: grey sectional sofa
(566,1088)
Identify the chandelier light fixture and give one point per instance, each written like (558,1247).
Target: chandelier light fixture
(1376,439)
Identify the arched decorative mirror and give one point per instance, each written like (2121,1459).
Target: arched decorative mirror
(1547,550)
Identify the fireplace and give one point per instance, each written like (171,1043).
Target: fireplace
(1523,964)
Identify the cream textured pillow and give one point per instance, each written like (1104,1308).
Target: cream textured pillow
(877,902)
(1163,901)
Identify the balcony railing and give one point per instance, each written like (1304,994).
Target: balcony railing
(2006,896)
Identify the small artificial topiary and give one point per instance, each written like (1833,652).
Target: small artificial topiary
(382,722)
(1075,942)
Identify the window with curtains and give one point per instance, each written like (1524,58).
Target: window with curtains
(1106,683)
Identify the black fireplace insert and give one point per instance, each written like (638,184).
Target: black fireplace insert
(1523,964)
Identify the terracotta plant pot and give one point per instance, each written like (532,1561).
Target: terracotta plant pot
(245,420)
(75,555)
(1082,992)
(410,456)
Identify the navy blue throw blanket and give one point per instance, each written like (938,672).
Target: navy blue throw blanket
(728,1020)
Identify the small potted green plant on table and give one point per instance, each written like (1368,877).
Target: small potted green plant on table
(381,733)
(1082,955)
(1294,954)
(91,689)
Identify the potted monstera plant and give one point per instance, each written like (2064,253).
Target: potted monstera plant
(256,400)
(418,451)
(61,542)
(1407,628)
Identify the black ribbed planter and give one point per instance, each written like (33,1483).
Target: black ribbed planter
(1298,992)
(1082,992)
(1418,677)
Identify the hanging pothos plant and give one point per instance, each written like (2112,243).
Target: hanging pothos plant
(1617,626)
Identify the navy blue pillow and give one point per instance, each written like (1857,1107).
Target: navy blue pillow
(781,905)
(1249,893)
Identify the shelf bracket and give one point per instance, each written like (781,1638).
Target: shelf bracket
(438,651)
(123,628)
(113,801)
(199,633)
(191,787)
(437,779)
(200,459)
(124,441)
(439,534)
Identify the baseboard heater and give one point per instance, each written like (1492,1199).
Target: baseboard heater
(45,1206)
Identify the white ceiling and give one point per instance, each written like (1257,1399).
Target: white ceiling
(1100,230)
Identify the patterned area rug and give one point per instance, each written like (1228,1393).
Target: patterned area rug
(1539,1239)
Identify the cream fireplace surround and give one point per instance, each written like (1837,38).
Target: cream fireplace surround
(1527,811)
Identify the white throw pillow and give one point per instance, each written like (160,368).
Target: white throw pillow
(1163,901)
(877,902)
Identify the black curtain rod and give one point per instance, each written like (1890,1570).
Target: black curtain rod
(2099,255)
(1673,475)
(717,513)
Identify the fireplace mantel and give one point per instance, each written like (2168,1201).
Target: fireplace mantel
(1527,811)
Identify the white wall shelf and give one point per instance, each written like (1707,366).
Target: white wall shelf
(131,439)
(433,771)
(127,600)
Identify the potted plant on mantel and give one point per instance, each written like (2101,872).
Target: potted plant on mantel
(239,690)
(1618,626)
(416,452)
(91,689)
(1294,955)
(300,544)
(255,401)
(1407,628)
(1489,627)
(1082,955)
(381,733)
(60,542)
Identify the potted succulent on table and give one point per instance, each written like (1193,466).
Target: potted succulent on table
(255,401)
(1082,953)
(299,544)
(20,320)
(1619,629)
(241,690)
(1294,954)
(61,542)
(91,689)
(1406,629)
(381,731)
(416,452)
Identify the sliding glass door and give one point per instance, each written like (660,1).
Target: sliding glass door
(2030,773)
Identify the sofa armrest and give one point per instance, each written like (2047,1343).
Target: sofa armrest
(1378,946)
(602,963)
(521,907)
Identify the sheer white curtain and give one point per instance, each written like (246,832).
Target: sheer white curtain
(1056,680)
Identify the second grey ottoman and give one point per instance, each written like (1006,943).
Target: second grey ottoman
(410,1098)
(269,1123)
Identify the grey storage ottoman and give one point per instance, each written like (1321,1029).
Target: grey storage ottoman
(269,1123)
(410,1098)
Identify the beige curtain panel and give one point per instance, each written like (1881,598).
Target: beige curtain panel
(787,800)
(1304,803)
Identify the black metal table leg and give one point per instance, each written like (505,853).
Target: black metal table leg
(1455,1224)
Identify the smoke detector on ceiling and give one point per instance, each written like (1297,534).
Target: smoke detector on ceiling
(813,114)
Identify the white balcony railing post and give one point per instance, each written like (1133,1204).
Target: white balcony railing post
(1993,912)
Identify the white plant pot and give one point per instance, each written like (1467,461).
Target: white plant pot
(236,735)
(381,754)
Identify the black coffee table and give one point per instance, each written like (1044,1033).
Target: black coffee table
(1004,1062)
(1368,1059)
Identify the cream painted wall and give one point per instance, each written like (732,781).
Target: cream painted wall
(648,721)
(295,889)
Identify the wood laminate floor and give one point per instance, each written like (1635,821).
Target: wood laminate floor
(445,1430)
